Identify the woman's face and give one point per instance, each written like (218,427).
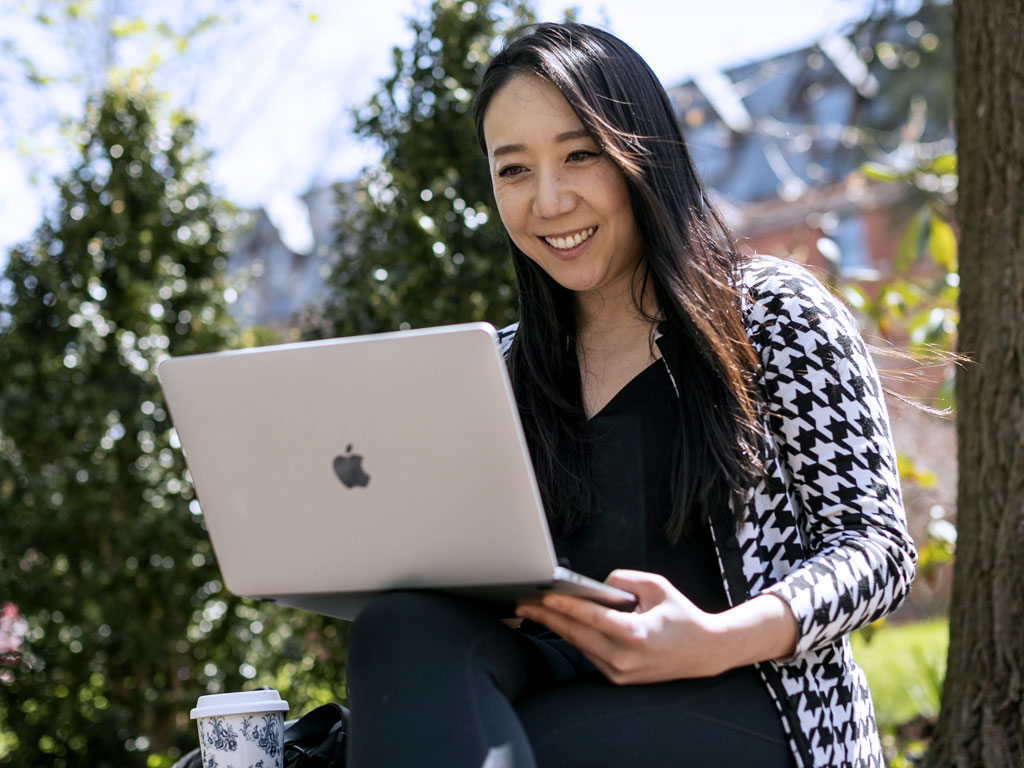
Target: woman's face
(563,201)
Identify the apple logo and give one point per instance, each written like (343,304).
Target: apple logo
(349,469)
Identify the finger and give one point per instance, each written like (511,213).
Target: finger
(612,634)
(650,588)
(613,654)
(602,618)
(585,637)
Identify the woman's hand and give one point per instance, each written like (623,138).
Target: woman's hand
(667,637)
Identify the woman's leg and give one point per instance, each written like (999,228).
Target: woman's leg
(433,680)
(430,682)
(591,723)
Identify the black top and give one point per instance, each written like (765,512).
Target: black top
(631,454)
(632,459)
(632,475)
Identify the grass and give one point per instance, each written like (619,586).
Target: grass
(905,665)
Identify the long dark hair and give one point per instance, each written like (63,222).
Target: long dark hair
(689,263)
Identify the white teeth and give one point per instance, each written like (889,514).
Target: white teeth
(564,243)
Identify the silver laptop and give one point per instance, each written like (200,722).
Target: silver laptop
(330,471)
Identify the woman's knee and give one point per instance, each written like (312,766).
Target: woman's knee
(386,619)
(408,610)
(426,636)
(408,623)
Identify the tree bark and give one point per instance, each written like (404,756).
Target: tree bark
(981,722)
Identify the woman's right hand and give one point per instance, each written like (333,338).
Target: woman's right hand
(668,637)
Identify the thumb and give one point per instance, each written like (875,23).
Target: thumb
(650,588)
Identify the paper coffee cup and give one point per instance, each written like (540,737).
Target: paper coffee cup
(241,730)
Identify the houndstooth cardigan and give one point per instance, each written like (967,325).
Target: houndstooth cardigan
(824,527)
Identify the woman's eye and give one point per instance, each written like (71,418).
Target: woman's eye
(510,170)
(582,154)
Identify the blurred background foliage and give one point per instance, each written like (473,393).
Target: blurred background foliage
(428,248)
(91,36)
(103,550)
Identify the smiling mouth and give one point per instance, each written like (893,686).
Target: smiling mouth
(570,241)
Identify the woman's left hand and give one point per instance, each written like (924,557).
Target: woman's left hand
(667,637)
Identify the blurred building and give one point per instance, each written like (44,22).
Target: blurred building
(780,141)
(280,262)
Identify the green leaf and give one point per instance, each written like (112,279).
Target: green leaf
(943,164)
(125,26)
(918,328)
(880,172)
(942,242)
(910,472)
(912,241)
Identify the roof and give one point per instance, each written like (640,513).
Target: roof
(773,129)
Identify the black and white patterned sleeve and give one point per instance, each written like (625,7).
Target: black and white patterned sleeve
(830,427)
(505,336)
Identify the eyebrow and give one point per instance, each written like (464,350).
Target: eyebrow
(508,149)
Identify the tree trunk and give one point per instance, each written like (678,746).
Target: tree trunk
(982,718)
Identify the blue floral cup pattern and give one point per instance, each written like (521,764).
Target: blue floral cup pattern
(242,741)
(231,737)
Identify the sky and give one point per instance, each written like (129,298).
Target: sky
(275,107)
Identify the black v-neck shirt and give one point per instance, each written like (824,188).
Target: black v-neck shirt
(631,456)
(633,438)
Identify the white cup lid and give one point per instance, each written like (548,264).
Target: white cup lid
(239,703)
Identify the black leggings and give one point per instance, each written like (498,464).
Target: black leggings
(435,680)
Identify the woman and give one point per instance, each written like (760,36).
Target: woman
(707,428)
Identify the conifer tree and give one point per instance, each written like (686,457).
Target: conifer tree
(426,248)
(102,547)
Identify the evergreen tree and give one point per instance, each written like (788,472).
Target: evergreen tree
(426,247)
(103,550)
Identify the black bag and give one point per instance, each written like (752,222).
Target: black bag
(315,740)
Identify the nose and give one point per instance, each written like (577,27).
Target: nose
(553,196)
